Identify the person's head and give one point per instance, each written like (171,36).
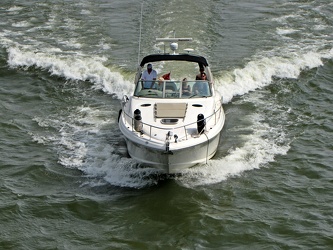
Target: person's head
(149,67)
(203,76)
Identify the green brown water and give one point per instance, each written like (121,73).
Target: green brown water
(66,182)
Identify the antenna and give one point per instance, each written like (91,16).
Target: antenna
(174,42)
(167,39)
(140,34)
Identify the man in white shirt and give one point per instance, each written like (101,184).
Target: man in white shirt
(149,76)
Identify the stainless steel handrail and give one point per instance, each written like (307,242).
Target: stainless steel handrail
(182,126)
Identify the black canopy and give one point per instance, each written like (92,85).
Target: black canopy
(174,57)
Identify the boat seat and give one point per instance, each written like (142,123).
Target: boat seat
(170,110)
(171,86)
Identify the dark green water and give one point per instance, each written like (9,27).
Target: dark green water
(66,181)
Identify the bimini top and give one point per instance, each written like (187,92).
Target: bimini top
(174,57)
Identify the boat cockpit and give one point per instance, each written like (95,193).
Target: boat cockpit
(173,89)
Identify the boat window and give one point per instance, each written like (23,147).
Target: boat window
(173,89)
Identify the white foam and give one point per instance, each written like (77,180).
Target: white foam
(71,43)
(320,27)
(22,24)
(260,72)
(112,169)
(14,8)
(41,139)
(281,31)
(85,12)
(81,144)
(76,152)
(259,148)
(73,67)
(285,19)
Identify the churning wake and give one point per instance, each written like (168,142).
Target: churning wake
(80,137)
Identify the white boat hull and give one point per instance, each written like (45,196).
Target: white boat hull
(175,160)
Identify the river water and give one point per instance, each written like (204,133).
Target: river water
(66,181)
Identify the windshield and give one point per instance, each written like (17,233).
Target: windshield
(173,89)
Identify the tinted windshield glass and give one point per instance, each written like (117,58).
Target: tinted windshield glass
(172,89)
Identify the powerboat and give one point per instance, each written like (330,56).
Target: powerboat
(172,123)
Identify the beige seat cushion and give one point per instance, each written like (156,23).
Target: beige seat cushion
(170,110)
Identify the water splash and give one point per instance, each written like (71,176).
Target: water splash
(73,67)
(261,72)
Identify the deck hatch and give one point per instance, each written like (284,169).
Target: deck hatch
(170,110)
